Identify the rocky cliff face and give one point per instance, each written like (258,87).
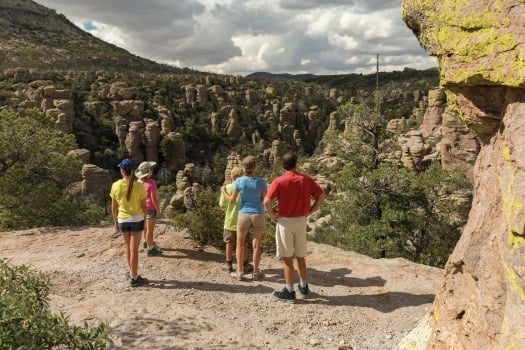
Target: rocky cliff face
(480,49)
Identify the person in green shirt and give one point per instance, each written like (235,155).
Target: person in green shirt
(231,211)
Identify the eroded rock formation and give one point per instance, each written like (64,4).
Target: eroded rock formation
(480,48)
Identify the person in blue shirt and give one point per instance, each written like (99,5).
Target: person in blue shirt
(252,190)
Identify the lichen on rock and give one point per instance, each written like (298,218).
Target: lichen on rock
(480,52)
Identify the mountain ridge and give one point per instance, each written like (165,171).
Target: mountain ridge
(34,36)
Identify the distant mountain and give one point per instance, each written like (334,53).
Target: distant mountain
(33,36)
(352,80)
(287,76)
(355,81)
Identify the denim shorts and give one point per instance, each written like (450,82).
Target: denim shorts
(151,214)
(131,227)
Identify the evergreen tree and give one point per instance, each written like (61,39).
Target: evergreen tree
(36,172)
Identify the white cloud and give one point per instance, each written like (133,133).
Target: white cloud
(109,33)
(319,23)
(343,41)
(242,36)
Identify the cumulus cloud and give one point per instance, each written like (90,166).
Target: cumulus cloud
(243,36)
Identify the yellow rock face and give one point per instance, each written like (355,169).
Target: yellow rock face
(476,42)
(479,45)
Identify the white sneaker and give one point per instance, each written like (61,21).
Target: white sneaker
(237,274)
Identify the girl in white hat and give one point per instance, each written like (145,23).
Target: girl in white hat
(143,173)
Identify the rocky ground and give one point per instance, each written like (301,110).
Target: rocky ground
(191,303)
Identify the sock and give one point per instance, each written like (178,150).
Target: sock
(289,287)
(302,283)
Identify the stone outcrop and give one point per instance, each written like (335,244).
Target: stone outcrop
(176,154)
(152,140)
(432,118)
(58,104)
(459,146)
(233,160)
(96,183)
(83,154)
(479,45)
(442,136)
(413,149)
(134,141)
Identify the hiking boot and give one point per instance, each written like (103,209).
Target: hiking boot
(284,295)
(228,267)
(154,250)
(247,267)
(137,281)
(257,275)
(304,291)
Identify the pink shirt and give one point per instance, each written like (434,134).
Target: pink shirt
(150,186)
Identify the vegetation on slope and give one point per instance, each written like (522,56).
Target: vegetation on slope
(34,36)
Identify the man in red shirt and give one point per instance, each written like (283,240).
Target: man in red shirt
(293,192)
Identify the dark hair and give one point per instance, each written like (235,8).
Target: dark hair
(289,161)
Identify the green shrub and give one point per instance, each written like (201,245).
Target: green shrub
(32,177)
(393,212)
(268,237)
(27,323)
(205,223)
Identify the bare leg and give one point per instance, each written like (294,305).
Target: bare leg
(241,249)
(256,251)
(288,270)
(301,266)
(134,253)
(127,249)
(148,228)
(229,252)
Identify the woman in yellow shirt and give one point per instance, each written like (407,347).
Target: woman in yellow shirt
(128,206)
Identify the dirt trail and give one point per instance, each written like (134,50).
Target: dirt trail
(191,303)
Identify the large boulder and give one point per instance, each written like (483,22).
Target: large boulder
(479,46)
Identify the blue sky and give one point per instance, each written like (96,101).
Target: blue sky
(244,36)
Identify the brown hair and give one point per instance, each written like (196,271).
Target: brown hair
(249,163)
(131,174)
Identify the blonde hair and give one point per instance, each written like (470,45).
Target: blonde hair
(236,172)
